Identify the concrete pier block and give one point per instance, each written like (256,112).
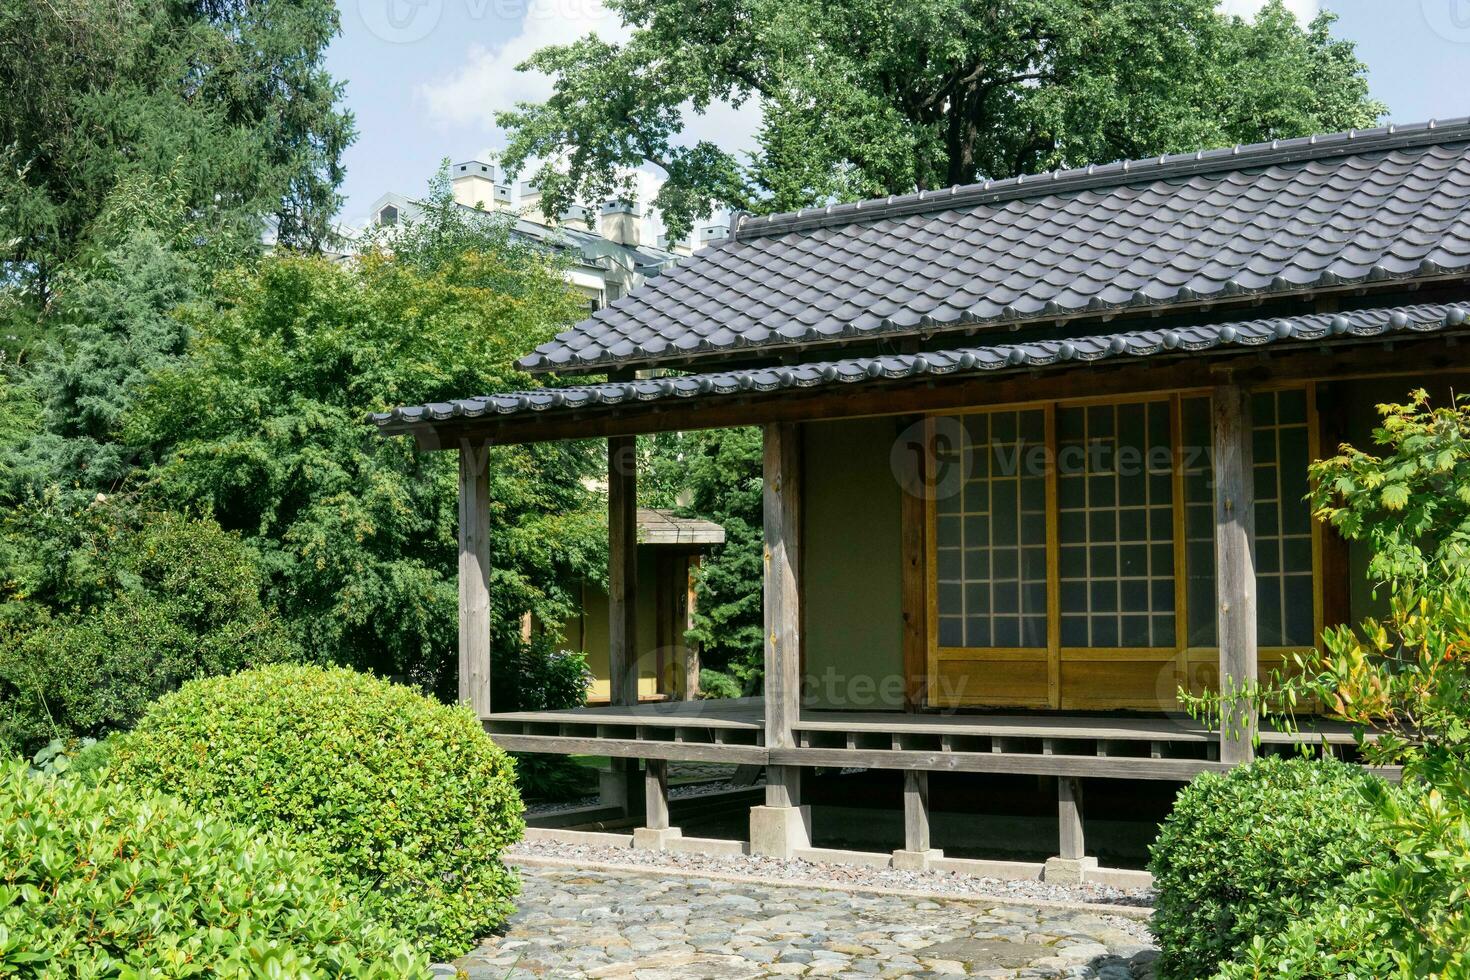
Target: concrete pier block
(777,831)
(1068,871)
(916,860)
(652,839)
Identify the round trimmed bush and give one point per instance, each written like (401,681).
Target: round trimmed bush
(101,881)
(1248,851)
(404,800)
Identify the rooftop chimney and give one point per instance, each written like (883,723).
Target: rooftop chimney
(621,223)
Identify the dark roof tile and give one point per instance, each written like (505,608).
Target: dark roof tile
(1291,215)
(1029,355)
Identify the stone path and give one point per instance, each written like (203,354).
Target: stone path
(577,923)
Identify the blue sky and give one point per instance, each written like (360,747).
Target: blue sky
(426,76)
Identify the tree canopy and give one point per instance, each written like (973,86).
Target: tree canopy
(261,428)
(228,98)
(863,98)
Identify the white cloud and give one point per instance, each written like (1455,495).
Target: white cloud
(487,81)
(1305,10)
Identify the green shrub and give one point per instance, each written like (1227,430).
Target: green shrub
(406,801)
(1342,941)
(105,882)
(114,607)
(537,676)
(713,684)
(1246,852)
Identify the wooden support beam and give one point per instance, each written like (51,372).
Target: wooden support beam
(474,577)
(915,810)
(1235,566)
(622,569)
(1069,817)
(656,794)
(782,513)
(914,520)
(691,648)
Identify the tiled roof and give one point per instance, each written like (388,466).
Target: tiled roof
(1275,218)
(1324,327)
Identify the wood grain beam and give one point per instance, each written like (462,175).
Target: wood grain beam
(1235,567)
(474,576)
(622,569)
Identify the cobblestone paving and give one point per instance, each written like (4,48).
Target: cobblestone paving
(576,923)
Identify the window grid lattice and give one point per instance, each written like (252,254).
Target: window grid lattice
(1116,526)
(991,532)
(1284,589)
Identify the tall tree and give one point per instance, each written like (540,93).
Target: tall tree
(863,98)
(261,427)
(229,97)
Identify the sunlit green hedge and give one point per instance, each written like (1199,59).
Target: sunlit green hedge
(106,882)
(1247,852)
(406,801)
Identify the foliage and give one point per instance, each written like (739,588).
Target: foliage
(713,684)
(110,607)
(113,327)
(1411,505)
(102,881)
(1406,677)
(262,427)
(1245,852)
(407,802)
(863,99)
(1342,941)
(1407,920)
(536,676)
(85,758)
(230,98)
(720,472)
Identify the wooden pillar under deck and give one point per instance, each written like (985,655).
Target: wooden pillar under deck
(1235,566)
(474,576)
(915,810)
(1069,818)
(783,824)
(619,782)
(656,794)
(782,513)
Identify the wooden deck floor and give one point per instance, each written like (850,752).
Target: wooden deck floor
(1171,747)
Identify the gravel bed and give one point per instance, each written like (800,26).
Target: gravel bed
(839,875)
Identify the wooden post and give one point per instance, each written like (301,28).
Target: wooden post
(782,511)
(1235,566)
(1069,817)
(915,810)
(656,794)
(622,569)
(690,647)
(914,519)
(667,622)
(474,576)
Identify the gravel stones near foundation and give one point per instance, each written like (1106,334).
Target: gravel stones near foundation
(837,875)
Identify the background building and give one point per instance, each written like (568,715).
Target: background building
(615,248)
